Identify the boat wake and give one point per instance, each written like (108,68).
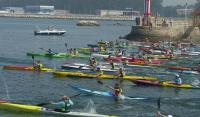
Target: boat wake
(90,108)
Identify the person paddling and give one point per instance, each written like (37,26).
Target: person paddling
(112,64)
(93,62)
(121,73)
(178,80)
(49,51)
(117,91)
(99,72)
(63,105)
(38,65)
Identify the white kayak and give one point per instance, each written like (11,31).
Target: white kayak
(81,66)
(100,55)
(76,114)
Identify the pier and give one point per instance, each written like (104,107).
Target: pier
(70,16)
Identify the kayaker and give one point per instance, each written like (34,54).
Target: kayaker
(101,49)
(93,62)
(71,51)
(63,105)
(178,80)
(75,51)
(38,65)
(117,91)
(162,115)
(49,51)
(121,73)
(99,72)
(112,64)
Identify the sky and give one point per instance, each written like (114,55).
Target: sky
(177,2)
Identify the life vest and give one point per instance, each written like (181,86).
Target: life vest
(99,72)
(118,91)
(121,74)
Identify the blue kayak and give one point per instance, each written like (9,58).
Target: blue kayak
(106,94)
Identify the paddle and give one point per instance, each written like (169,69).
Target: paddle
(33,60)
(42,104)
(66,45)
(158,103)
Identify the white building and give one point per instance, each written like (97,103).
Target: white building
(184,11)
(17,10)
(40,10)
(118,13)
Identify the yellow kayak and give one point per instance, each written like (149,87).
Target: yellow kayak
(29,68)
(80,74)
(164,84)
(39,110)
(19,107)
(170,84)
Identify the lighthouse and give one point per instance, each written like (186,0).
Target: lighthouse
(147,8)
(147,12)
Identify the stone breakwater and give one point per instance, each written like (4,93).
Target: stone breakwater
(179,31)
(71,16)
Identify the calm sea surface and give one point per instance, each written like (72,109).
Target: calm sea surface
(17,38)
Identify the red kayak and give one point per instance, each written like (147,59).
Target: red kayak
(119,59)
(165,84)
(178,68)
(147,82)
(29,68)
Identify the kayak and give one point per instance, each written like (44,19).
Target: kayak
(178,68)
(100,55)
(29,68)
(164,84)
(87,67)
(85,75)
(57,55)
(4,105)
(104,93)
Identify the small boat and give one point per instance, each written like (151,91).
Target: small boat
(88,23)
(14,107)
(50,31)
(27,68)
(105,93)
(164,84)
(85,75)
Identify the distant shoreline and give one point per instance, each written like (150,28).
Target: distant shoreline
(71,16)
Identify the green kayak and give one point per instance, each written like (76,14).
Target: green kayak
(57,55)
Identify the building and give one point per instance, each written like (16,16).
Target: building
(184,11)
(39,10)
(118,13)
(16,10)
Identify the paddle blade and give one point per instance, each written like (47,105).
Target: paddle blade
(42,104)
(158,103)
(100,82)
(66,45)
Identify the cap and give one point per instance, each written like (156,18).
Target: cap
(65,97)
(177,75)
(98,67)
